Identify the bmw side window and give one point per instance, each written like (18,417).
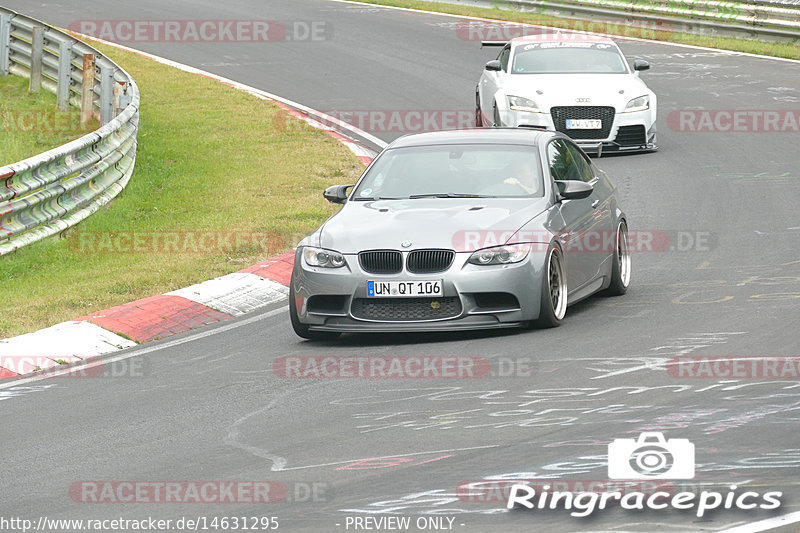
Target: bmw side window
(503,58)
(582,165)
(560,160)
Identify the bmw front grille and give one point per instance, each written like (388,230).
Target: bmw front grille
(381,261)
(417,262)
(429,261)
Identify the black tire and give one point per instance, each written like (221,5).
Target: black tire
(497,121)
(301,329)
(621,263)
(553,304)
(478,114)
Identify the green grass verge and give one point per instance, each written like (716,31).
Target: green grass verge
(30,123)
(791,51)
(210,158)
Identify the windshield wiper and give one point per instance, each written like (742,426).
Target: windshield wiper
(373,199)
(449,195)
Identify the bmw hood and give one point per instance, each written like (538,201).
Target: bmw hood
(449,223)
(549,90)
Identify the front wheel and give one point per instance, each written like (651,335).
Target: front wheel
(302,330)
(553,304)
(621,263)
(478,113)
(496,113)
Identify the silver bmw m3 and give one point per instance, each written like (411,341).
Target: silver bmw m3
(462,230)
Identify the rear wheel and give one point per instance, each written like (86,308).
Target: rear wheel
(302,330)
(621,263)
(553,304)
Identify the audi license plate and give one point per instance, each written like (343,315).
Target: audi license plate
(584,124)
(388,289)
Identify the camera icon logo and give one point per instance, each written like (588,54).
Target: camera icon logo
(651,457)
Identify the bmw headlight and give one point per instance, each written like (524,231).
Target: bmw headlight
(500,255)
(518,103)
(320,257)
(638,104)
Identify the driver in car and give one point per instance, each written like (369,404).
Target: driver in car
(523,174)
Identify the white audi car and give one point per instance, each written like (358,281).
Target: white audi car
(579,85)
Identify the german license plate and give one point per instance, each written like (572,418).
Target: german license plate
(584,124)
(391,289)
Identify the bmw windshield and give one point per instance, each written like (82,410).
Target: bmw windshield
(453,171)
(568,58)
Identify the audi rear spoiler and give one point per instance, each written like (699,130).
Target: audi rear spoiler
(493,43)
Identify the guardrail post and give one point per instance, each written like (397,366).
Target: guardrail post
(87,89)
(119,91)
(37,50)
(106,93)
(64,71)
(5,40)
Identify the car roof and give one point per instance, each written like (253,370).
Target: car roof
(474,136)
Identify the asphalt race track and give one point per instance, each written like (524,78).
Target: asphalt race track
(209,406)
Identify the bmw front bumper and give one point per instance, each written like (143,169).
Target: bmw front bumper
(474,297)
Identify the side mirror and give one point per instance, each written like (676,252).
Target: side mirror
(336,194)
(573,190)
(494,66)
(641,64)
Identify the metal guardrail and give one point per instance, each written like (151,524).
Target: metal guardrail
(705,17)
(47,193)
